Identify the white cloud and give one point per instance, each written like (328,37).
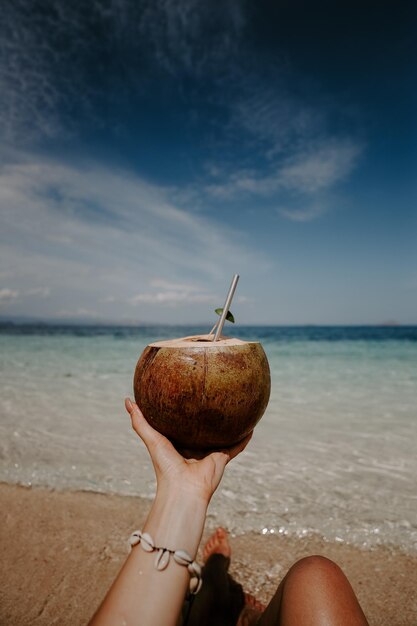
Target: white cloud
(172,298)
(94,234)
(30,96)
(167,285)
(291,155)
(78,313)
(308,174)
(283,137)
(178,294)
(276,120)
(46,55)
(192,35)
(169,293)
(320,168)
(8,295)
(43,292)
(305,214)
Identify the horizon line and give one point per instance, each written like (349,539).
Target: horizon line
(27,321)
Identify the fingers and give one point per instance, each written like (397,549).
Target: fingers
(239,447)
(155,442)
(219,461)
(163,454)
(145,431)
(222,457)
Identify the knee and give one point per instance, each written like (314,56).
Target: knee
(314,568)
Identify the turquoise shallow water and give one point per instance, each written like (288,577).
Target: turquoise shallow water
(333,455)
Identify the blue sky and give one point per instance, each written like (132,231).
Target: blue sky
(149,150)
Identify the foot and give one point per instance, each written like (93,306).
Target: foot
(252,603)
(251,612)
(218,543)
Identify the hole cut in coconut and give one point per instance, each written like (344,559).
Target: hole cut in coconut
(201,338)
(205,341)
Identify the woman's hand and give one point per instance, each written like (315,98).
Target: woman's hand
(174,472)
(141,594)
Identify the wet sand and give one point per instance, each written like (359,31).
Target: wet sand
(61,550)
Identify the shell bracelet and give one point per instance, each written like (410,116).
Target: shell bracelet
(164,556)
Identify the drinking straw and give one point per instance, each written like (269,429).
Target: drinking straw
(226,307)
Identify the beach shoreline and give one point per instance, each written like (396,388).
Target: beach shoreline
(62,549)
(333,454)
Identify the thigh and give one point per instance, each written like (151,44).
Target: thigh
(315,592)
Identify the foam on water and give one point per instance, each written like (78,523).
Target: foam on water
(333,455)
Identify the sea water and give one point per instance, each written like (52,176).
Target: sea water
(334,455)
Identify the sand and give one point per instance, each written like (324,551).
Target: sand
(61,550)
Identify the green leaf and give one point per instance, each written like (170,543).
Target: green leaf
(229,315)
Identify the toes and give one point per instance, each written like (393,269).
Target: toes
(218,542)
(253,603)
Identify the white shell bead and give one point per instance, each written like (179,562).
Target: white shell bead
(134,539)
(182,557)
(195,585)
(162,559)
(164,555)
(147,543)
(195,569)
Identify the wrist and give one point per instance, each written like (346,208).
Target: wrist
(177,518)
(181,493)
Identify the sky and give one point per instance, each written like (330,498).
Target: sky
(150,149)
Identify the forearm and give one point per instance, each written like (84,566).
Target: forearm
(141,594)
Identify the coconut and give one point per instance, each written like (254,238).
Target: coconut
(203,394)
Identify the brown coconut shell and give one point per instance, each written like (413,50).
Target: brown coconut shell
(203,394)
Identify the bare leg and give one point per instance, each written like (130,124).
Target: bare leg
(315,592)
(221,598)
